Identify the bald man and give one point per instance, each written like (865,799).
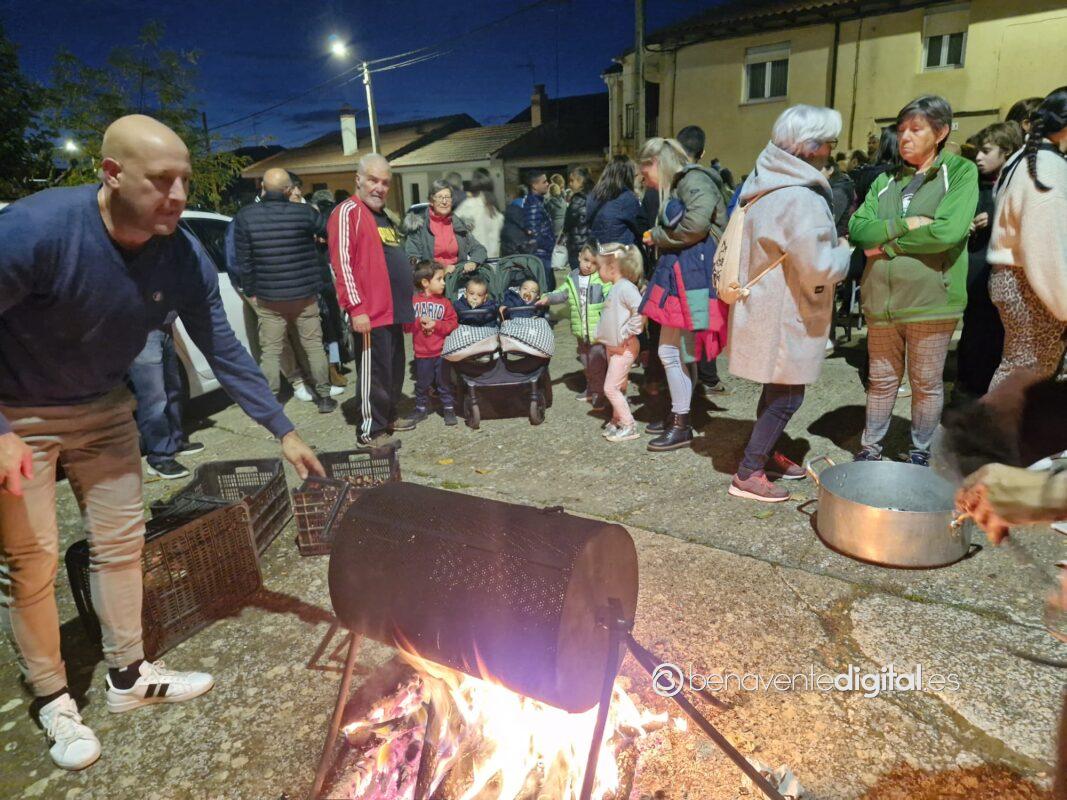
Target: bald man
(85,274)
(374,285)
(280,274)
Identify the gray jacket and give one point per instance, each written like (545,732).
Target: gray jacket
(778,333)
(620,319)
(700,190)
(418,243)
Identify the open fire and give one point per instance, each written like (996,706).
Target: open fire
(483,741)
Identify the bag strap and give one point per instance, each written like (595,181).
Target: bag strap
(759,277)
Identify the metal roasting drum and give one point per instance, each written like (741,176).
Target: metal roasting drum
(511,592)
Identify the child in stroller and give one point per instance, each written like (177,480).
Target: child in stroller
(501,370)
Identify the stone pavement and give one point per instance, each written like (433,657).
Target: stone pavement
(727,586)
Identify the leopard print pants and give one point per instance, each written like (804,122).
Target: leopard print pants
(1033,338)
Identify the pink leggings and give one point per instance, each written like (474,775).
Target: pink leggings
(619,361)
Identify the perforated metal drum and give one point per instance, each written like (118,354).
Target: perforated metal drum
(486,587)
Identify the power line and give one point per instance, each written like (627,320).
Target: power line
(412,56)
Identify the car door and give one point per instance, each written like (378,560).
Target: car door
(211,232)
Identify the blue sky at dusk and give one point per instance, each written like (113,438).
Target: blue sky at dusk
(255,54)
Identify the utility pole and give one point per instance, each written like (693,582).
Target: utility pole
(371,115)
(639,73)
(207,136)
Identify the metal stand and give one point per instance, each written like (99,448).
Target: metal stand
(649,663)
(354,641)
(618,629)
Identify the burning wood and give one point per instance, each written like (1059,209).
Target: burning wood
(485,742)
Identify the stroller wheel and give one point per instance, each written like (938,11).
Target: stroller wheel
(537,409)
(471,413)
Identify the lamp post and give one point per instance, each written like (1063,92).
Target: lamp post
(340,49)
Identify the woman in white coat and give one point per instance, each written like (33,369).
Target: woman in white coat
(479,210)
(778,333)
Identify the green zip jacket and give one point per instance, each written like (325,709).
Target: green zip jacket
(584,328)
(922,274)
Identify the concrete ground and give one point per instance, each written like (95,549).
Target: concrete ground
(727,586)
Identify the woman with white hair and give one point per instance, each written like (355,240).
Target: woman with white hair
(914,226)
(790,244)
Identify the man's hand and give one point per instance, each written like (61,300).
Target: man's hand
(16,463)
(470,266)
(297,453)
(361,323)
(916,222)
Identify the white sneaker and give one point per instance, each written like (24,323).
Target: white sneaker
(74,745)
(335,391)
(609,430)
(624,433)
(300,392)
(157,684)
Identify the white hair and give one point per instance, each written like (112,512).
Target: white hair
(372,160)
(802,129)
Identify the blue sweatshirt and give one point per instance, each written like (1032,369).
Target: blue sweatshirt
(75,310)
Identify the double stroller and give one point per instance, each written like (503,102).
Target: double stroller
(501,371)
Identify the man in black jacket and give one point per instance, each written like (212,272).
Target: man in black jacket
(280,274)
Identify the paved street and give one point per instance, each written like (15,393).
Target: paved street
(726,586)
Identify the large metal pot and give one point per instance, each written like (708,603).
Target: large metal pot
(889,513)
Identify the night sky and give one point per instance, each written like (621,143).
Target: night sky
(254,54)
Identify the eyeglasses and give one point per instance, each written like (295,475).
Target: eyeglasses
(831,142)
(441,199)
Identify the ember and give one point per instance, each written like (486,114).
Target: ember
(482,741)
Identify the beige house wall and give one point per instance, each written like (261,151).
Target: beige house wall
(1013,50)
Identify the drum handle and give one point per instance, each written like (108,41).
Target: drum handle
(810,468)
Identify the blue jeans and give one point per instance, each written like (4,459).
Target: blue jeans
(778,403)
(157,384)
(433,372)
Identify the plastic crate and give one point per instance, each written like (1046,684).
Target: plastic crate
(198,567)
(257,483)
(321,502)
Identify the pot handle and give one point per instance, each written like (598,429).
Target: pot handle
(810,468)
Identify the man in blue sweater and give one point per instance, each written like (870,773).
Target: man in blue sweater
(85,274)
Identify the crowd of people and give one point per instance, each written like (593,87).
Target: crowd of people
(668,266)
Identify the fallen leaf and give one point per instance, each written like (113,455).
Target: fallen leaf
(446,461)
(764,514)
(483,471)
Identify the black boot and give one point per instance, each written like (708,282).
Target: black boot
(660,425)
(679,434)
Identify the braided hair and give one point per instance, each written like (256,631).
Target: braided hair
(1049,117)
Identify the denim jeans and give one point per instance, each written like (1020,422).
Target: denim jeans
(777,405)
(156,381)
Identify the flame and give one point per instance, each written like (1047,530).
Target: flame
(496,737)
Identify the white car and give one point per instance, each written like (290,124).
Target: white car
(210,229)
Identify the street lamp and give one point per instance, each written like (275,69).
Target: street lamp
(71,146)
(338,47)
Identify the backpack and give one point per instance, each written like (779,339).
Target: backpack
(726,266)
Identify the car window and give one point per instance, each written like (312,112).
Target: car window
(212,234)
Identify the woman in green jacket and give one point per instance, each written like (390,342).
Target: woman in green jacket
(913,227)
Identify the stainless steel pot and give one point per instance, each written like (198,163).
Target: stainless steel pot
(889,513)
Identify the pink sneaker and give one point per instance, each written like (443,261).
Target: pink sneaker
(779,466)
(757,487)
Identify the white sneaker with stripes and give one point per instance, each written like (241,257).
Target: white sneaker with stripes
(73,744)
(157,684)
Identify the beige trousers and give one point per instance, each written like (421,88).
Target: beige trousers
(98,446)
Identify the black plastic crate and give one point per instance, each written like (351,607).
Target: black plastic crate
(321,502)
(257,483)
(198,567)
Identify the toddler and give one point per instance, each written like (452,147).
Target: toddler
(584,291)
(435,318)
(620,322)
(476,307)
(527,295)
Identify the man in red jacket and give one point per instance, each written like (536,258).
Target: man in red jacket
(373,277)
